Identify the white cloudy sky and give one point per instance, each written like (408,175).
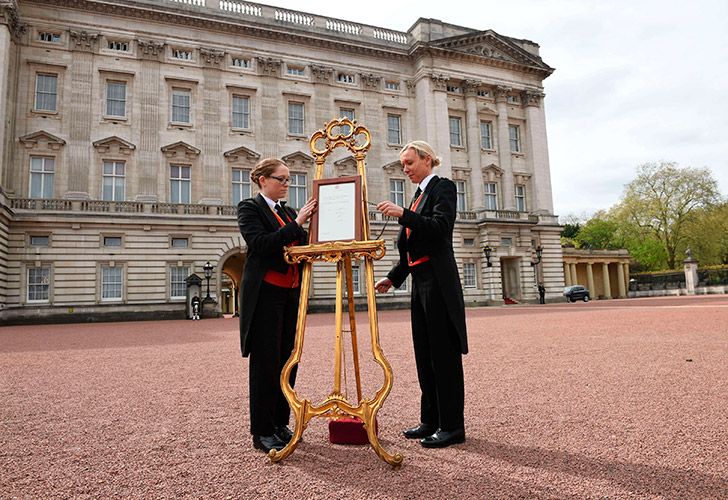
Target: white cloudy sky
(635,80)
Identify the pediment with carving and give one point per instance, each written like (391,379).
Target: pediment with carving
(492,172)
(461,173)
(114,144)
(298,159)
(241,153)
(180,149)
(346,165)
(393,167)
(42,140)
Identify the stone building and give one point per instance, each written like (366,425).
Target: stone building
(129,129)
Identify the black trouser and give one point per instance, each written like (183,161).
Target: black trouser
(437,354)
(272,331)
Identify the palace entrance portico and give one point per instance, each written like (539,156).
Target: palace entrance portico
(604,272)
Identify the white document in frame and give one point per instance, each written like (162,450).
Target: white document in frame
(337,212)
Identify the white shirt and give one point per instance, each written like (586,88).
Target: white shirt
(272,204)
(422,185)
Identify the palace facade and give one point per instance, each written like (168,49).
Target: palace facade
(129,129)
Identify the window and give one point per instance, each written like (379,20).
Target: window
(391,85)
(46,92)
(116,98)
(118,45)
(468,242)
(483,93)
(241,62)
(394,129)
(241,185)
(297,192)
(113,181)
(179,185)
(39,241)
(177,284)
(469,275)
(456,138)
(520,197)
(486,135)
(396,191)
(39,283)
(112,241)
(111,283)
(185,55)
(455,89)
(241,112)
(355,278)
(181,100)
(512,99)
(296,70)
(345,78)
(405,284)
(491,196)
(346,113)
(295,118)
(514,134)
(41,176)
(47,36)
(462,196)
(506,242)
(180,242)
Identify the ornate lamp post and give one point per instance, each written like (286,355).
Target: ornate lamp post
(488,251)
(539,252)
(207,268)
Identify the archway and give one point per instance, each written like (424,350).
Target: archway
(230,275)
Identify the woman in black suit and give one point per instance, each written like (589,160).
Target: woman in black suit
(269,298)
(438,309)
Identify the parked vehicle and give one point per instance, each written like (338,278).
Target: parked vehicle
(576,292)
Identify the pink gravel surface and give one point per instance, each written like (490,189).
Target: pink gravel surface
(611,399)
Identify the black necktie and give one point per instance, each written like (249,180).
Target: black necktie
(417,195)
(281,213)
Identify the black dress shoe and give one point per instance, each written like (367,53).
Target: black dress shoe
(419,431)
(283,433)
(441,439)
(267,443)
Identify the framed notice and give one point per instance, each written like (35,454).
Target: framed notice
(338,217)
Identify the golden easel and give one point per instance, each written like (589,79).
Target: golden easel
(347,134)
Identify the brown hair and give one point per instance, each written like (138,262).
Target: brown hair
(265,168)
(423,150)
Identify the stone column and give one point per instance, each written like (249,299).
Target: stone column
(625,267)
(567,275)
(212,129)
(590,279)
(8,25)
(439,135)
(537,154)
(607,284)
(620,281)
(473,138)
(504,148)
(574,276)
(690,267)
(151,183)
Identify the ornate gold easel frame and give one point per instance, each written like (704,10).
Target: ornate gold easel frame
(341,253)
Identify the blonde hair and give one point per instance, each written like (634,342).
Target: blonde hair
(423,150)
(265,168)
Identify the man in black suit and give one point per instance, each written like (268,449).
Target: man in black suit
(438,310)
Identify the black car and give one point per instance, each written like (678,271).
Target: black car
(576,292)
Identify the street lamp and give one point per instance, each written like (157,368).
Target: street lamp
(208,274)
(539,251)
(488,251)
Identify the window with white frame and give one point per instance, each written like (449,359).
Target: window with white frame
(241,185)
(394,129)
(112,241)
(241,62)
(179,242)
(295,118)
(297,192)
(512,99)
(469,275)
(520,197)
(113,180)
(46,92)
(39,240)
(491,196)
(42,170)
(514,134)
(118,45)
(296,70)
(462,196)
(177,284)
(456,135)
(39,284)
(346,113)
(49,36)
(390,85)
(396,191)
(111,282)
(181,105)
(486,135)
(455,89)
(183,54)
(180,184)
(355,278)
(115,98)
(241,111)
(345,78)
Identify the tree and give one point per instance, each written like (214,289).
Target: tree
(664,199)
(599,232)
(707,235)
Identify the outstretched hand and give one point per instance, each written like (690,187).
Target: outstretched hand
(383,285)
(306,211)
(391,209)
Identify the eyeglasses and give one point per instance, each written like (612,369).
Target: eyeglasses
(283,180)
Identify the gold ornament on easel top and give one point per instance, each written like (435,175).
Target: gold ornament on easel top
(356,138)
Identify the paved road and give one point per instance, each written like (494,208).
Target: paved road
(618,399)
